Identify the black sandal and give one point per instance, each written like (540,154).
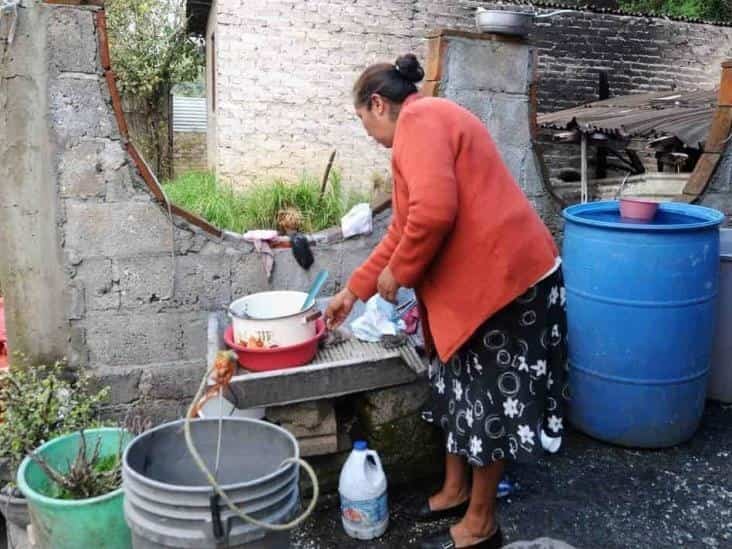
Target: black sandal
(423,513)
(444,540)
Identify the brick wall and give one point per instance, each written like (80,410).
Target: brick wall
(285,69)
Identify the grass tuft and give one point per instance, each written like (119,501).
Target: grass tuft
(258,206)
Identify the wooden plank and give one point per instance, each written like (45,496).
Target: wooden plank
(319,381)
(196,220)
(719,130)
(436,49)
(725,87)
(488,36)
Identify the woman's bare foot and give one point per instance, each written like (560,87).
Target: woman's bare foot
(472,530)
(449,497)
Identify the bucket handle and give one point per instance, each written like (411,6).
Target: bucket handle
(220,491)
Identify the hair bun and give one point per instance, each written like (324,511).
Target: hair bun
(409,68)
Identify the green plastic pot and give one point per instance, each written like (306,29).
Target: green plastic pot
(73,524)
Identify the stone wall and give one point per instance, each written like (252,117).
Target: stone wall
(189,152)
(285,69)
(92,268)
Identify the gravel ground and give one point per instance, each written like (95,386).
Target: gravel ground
(590,495)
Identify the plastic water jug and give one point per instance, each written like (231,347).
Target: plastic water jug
(362,487)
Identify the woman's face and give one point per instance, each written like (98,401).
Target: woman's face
(379,121)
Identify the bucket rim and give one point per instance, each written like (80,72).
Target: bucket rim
(126,469)
(707,217)
(33,496)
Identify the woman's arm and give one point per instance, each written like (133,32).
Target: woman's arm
(426,160)
(364,279)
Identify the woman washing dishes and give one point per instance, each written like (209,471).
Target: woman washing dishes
(489,282)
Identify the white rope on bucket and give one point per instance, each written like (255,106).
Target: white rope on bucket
(217,488)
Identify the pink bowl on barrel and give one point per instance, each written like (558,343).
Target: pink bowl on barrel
(277,358)
(637,209)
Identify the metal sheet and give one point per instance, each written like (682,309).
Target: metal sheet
(686,115)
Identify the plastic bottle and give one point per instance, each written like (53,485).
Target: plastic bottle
(362,487)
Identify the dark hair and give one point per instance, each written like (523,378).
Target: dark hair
(394,82)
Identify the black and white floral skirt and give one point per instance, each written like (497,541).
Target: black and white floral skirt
(508,382)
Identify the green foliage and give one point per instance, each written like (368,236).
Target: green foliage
(149,46)
(40,403)
(711,10)
(258,207)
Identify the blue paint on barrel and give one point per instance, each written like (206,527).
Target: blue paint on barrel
(641,305)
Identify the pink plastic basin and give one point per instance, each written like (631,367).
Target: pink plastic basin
(278,358)
(637,209)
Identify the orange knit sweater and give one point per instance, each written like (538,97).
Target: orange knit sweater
(463,234)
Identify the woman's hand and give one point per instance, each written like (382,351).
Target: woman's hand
(339,308)
(387,286)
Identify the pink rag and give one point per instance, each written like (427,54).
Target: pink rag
(411,320)
(261,240)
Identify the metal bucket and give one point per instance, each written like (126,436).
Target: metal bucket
(168,501)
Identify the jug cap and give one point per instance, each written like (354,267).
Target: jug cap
(360,445)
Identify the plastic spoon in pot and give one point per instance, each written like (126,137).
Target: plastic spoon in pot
(315,288)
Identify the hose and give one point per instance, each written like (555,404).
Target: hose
(219,490)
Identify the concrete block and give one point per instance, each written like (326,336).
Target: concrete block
(124,383)
(79,108)
(101,292)
(718,201)
(177,381)
(156,411)
(71,41)
(122,185)
(722,178)
(307,419)
(116,230)
(145,338)
(384,406)
(488,65)
(76,306)
(318,446)
(144,281)
(247,275)
(78,351)
(201,281)
(509,121)
(80,172)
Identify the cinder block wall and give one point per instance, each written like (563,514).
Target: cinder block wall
(285,70)
(91,267)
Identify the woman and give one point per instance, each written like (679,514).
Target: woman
(487,275)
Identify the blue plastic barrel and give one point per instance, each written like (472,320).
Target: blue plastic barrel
(641,306)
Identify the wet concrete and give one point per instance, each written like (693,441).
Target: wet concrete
(591,495)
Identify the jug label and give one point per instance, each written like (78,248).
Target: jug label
(365,512)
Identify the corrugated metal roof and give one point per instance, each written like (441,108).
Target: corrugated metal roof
(189,114)
(686,115)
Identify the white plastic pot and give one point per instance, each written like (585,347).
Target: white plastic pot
(273,319)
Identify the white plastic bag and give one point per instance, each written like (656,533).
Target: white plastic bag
(376,321)
(359,220)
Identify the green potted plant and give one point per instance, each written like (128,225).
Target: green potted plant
(37,404)
(76,479)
